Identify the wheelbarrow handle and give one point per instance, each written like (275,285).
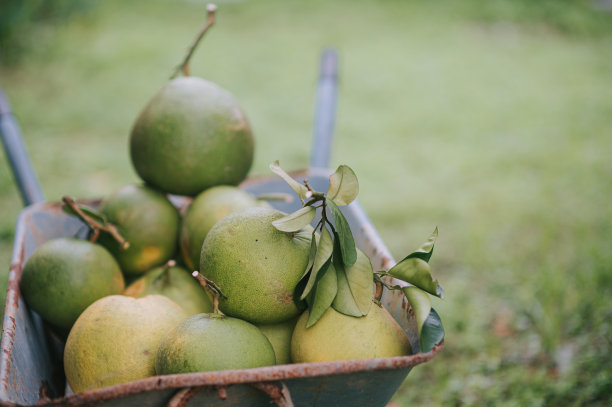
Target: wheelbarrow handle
(17,155)
(325,110)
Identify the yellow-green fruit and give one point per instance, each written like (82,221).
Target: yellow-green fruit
(207,342)
(175,283)
(191,136)
(340,337)
(256,266)
(65,275)
(147,220)
(115,340)
(207,209)
(279,335)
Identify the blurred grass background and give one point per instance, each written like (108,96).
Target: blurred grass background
(491,120)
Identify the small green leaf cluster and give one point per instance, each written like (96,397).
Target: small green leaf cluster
(415,271)
(338,275)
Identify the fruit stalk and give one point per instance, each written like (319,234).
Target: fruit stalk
(379,291)
(166,271)
(96,226)
(184,66)
(212,288)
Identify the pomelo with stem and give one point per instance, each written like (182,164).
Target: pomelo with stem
(213,341)
(146,218)
(192,134)
(256,265)
(174,282)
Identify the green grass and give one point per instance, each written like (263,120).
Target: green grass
(491,122)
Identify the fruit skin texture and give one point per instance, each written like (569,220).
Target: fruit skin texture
(175,283)
(147,220)
(191,136)
(205,210)
(279,336)
(65,275)
(207,342)
(256,266)
(115,340)
(340,337)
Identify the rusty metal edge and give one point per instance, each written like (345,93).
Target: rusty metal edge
(245,376)
(9,324)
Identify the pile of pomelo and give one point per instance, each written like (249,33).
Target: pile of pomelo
(224,282)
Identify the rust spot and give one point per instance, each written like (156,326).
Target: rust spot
(44,391)
(222,390)
(286,299)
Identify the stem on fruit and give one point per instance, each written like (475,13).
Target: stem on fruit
(184,66)
(166,272)
(212,288)
(379,290)
(96,226)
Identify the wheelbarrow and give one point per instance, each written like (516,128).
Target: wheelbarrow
(31,370)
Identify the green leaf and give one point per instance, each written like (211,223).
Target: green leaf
(343,186)
(297,294)
(417,272)
(421,305)
(324,295)
(296,220)
(355,286)
(344,234)
(312,253)
(344,301)
(426,250)
(300,189)
(322,257)
(432,332)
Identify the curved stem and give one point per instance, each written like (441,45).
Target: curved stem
(94,225)
(165,274)
(212,288)
(184,66)
(379,291)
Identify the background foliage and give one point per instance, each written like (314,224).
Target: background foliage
(490,120)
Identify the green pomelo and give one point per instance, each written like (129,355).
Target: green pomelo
(147,220)
(256,266)
(175,283)
(115,340)
(206,209)
(191,136)
(341,337)
(279,335)
(65,275)
(207,342)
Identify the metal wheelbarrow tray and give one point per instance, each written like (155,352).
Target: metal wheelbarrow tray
(31,372)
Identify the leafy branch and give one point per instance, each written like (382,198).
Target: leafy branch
(94,220)
(415,271)
(339,275)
